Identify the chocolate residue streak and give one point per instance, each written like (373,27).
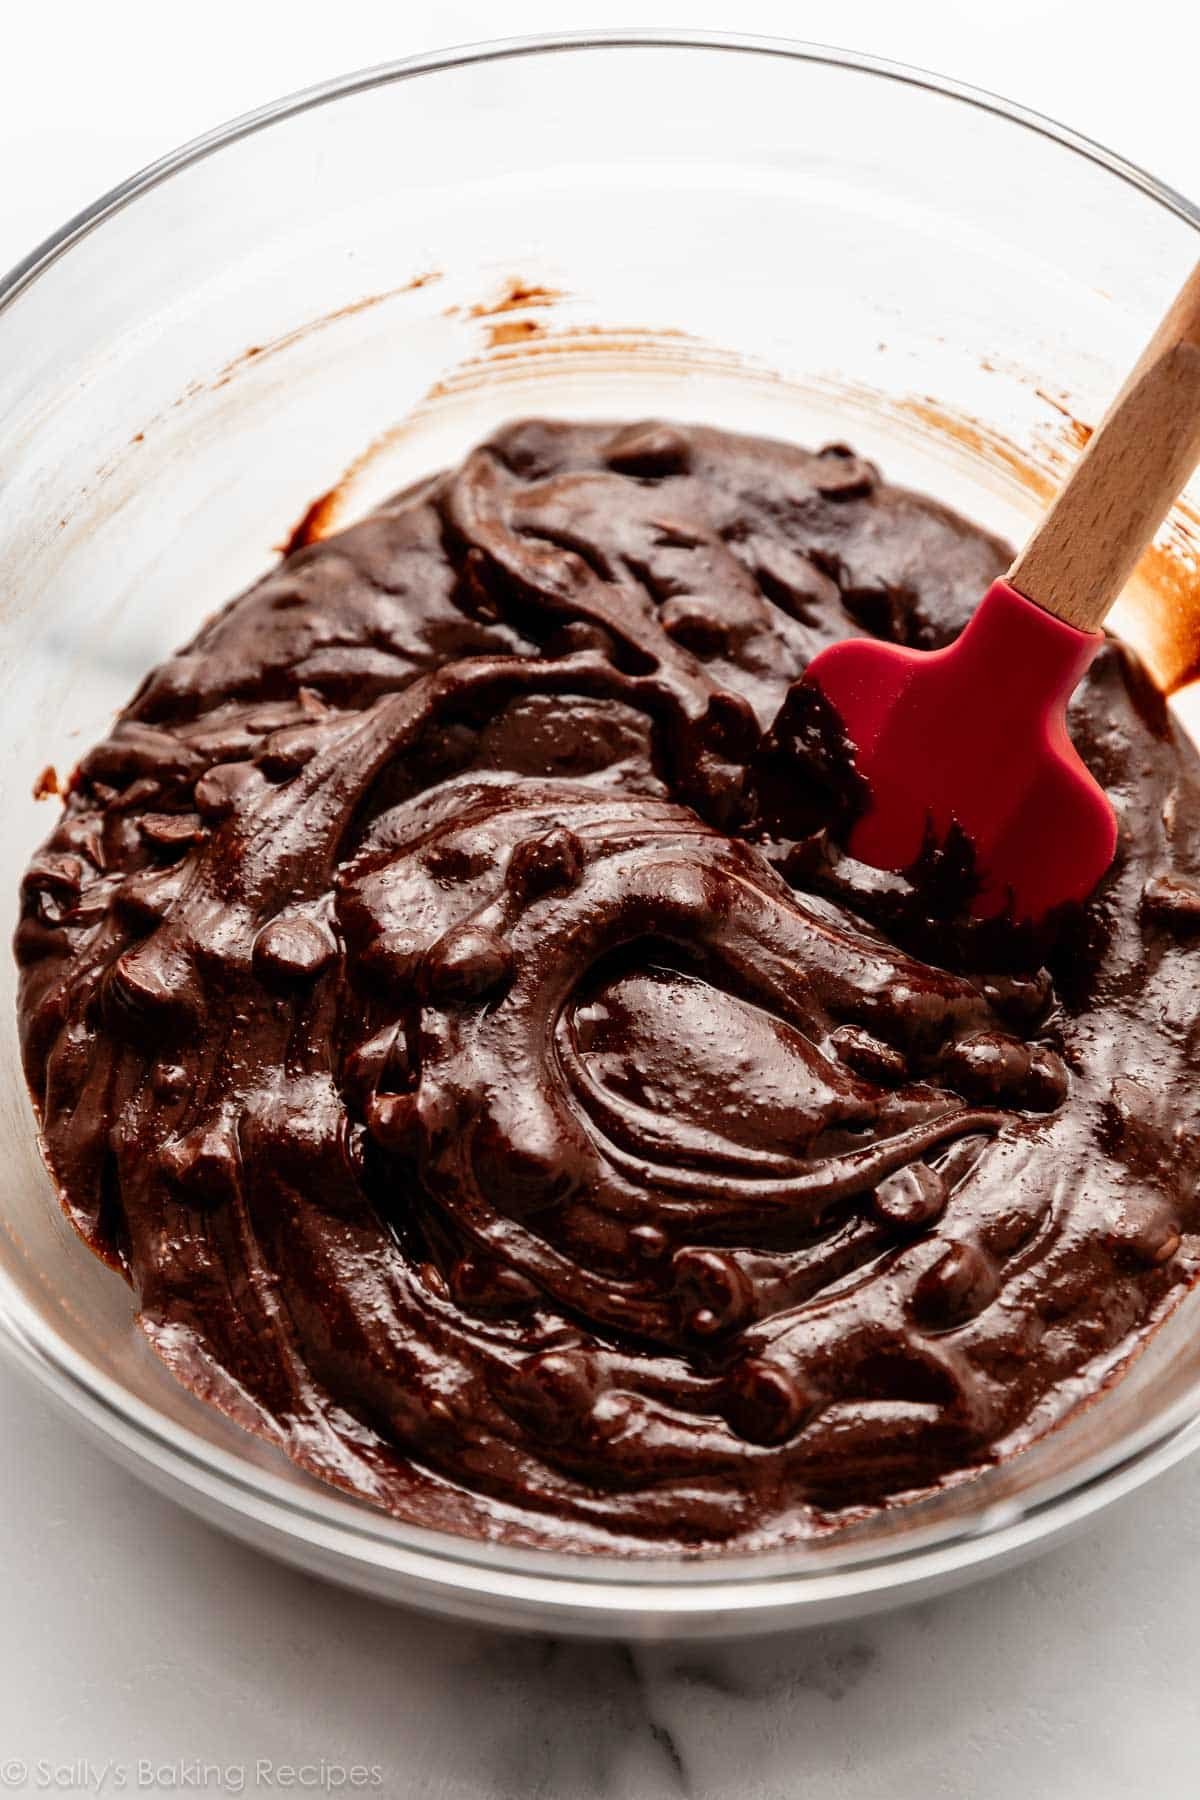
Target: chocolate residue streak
(443,1000)
(1166,604)
(1170,615)
(317,523)
(1164,596)
(1078,434)
(256,352)
(622,346)
(991,446)
(1171,569)
(517,296)
(513,331)
(665,350)
(47,786)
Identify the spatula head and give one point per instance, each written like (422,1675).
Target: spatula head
(974,737)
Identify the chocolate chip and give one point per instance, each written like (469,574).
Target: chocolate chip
(1173,901)
(985,1065)
(649,1243)
(286,751)
(910,1199)
(218,792)
(55,873)
(293,948)
(842,475)
(650,450)
(869,1056)
(581,638)
(960,1284)
(1047,1082)
(135,796)
(472,594)
(204,1163)
(990,1066)
(434,1280)
(169,1080)
(677,534)
(1022,999)
(551,862)
(695,625)
(487,1286)
(1131,1126)
(468,963)
(394,1122)
(453,861)
(1146,1234)
(1167,1245)
(383,1063)
(712,1292)
(730,726)
(172,831)
(765,1403)
(151,979)
(554,1391)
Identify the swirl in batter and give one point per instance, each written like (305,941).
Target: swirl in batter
(445,1003)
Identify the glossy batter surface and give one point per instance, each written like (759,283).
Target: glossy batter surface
(444,1002)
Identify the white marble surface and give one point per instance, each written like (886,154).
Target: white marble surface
(130,1632)
(140,1652)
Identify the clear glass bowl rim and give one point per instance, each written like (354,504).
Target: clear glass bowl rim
(343,1533)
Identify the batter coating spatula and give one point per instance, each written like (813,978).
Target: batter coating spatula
(974,736)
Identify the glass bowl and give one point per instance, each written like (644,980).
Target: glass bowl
(343,291)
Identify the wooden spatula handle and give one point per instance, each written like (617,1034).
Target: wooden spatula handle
(1119,492)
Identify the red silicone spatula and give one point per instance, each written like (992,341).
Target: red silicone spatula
(974,736)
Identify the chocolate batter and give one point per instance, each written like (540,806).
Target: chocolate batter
(446,1004)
